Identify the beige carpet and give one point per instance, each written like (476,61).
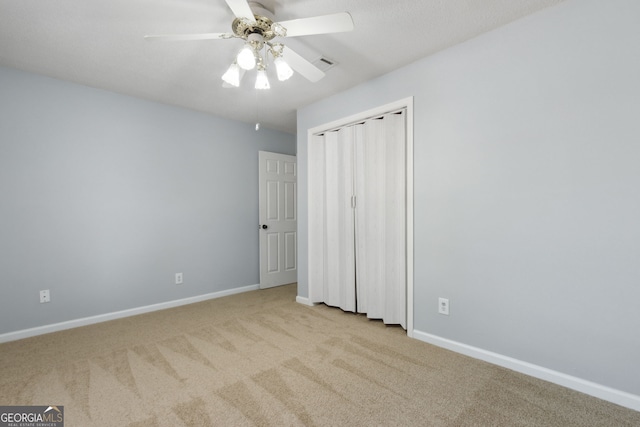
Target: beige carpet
(259,358)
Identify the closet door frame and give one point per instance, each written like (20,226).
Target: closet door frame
(405,104)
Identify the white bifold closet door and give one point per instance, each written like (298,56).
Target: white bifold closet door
(339,253)
(357,220)
(380,217)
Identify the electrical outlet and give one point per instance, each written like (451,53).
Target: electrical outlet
(443,306)
(45,296)
(179,279)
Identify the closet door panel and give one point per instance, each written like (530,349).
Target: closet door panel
(380,219)
(316,173)
(339,227)
(396,289)
(370,265)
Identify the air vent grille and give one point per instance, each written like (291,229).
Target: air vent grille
(324,63)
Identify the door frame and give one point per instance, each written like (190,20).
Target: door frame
(402,104)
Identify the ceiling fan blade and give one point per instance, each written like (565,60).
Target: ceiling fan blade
(335,23)
(241,9)
(301,65)
(184,37)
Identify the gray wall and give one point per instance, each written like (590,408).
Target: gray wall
(527,188)
(103,198)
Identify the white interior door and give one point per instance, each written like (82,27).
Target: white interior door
(278,219)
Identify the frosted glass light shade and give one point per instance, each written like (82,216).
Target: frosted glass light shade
(232,75)
(246,58)
(283,69)
(262,82)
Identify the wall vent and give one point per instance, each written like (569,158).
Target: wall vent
(324,63)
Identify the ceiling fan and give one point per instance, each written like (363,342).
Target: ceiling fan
(255,25)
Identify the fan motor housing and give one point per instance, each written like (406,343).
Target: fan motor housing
(243,28)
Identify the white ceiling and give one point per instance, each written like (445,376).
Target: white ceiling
(100,44)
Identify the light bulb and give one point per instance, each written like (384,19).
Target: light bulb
(283,69)
(246,58)
(232,75)
(262,82)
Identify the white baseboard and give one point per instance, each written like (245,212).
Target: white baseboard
(305,301)
(609,394)
(55,327)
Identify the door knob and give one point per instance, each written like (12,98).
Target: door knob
(264,226)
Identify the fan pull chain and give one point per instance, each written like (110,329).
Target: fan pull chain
(257,91)
(257,111)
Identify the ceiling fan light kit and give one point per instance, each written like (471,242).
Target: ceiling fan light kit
(283,69)
(258,30)
(246,58)
(262,81)
(232,75)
